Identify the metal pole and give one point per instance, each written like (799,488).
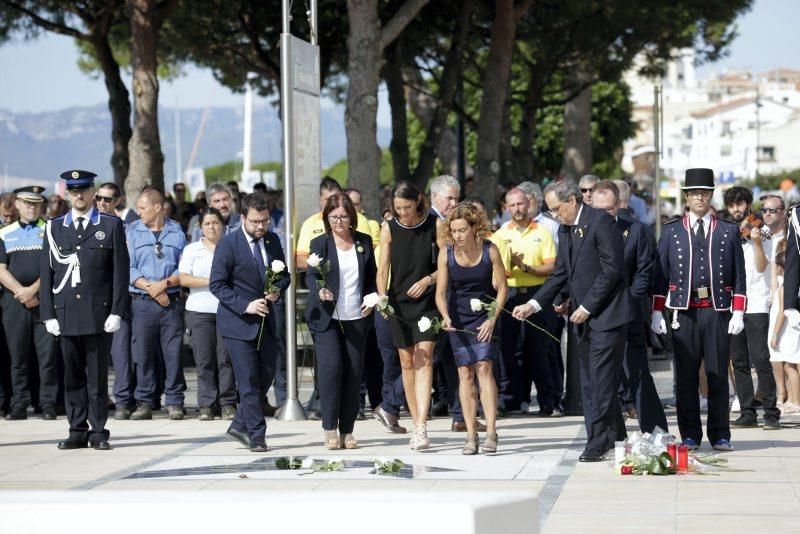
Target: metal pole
(313,22)
(291,410)
(657,119)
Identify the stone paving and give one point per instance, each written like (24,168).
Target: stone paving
(535,455)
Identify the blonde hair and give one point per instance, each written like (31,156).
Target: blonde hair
(474,217)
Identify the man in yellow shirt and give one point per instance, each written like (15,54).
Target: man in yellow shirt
(533,255)
(314,226)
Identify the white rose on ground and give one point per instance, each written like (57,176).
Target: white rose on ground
(371,300)
(424,324)
(476,305)
(314,261)
(308,463)
(277,266)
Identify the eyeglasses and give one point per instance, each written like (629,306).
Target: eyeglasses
(338,218)
(698,193)
(771,210)
(259,222)
(587,189)
(159,250)
(100,198)
(555,211)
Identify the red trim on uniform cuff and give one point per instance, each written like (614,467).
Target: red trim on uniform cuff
(739,303)
(659,302)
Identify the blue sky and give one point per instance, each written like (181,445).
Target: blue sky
(42,75)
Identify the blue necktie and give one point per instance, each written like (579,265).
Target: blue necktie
(262,268)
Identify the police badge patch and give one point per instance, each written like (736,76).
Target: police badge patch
(100,235)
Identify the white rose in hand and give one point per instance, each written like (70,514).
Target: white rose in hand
(277,266)
(371,300)
(312,261)
(476,305)
(424,324)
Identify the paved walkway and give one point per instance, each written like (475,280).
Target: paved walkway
(537,455)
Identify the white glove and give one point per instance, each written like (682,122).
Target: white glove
(736,324)
(658,324)
(112,323)
(792,318)
(51,325)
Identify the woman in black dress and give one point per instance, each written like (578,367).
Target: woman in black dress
(409,247)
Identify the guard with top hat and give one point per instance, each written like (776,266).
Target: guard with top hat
(84,295)
(700,275)
(20,256)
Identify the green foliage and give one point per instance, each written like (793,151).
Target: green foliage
(169,69)
(771,182)
(231,170)
(338,171)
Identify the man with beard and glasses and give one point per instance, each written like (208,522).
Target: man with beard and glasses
(750,347)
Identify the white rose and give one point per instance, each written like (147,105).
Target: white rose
(371,300)
(383,301)
(277,266)
(308,463)
(476,305)
(424,324)
(313,260)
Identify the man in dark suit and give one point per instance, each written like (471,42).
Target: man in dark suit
(245,262)
(602,308)
(83,296)
(639,255)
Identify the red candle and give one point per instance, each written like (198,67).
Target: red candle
(672,450)
(683,458)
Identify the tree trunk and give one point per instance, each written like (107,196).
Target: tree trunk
(144,148)
(523,155)
(578,132)
(393,75)
(495,87)
(118,104)
(506,151)
(448,85)
(361,108)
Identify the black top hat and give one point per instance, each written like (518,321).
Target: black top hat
(78,179)
(698,179)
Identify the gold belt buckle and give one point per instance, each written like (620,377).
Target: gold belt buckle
(702,292)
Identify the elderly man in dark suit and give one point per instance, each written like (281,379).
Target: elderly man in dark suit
(639,253)
(248,276)
(602,308)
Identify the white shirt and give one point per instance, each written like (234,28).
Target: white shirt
(348,304)
(250,240)
(706,222)
(758,283)
(550,224)
(87,217)
(196,261)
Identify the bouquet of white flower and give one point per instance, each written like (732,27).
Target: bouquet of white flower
(274,270)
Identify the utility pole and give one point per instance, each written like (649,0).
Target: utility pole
(658,132)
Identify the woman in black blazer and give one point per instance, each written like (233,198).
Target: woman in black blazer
(335,316)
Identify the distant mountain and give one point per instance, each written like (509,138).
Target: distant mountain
(39,146)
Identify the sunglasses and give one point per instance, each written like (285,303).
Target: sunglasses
(100,198)
(159,250)
(587,189)
(771,210)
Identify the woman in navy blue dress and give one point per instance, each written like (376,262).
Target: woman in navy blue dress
(470,276)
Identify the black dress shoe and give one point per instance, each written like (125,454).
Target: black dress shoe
(361,415)
(745,421)
(267,409)
(388,420)
(591,455)
(439,409)
(461,426)
(258,445)
(241,437)
(17,415)
(48,412)
(101,445)
(73,443)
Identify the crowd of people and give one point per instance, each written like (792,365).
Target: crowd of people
(440,309)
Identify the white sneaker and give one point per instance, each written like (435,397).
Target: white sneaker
(735,406)
(703,403)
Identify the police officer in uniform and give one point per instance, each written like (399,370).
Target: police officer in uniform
(20,257)
(84,295)
(700,275)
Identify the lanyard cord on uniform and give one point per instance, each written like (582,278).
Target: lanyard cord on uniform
(70,260)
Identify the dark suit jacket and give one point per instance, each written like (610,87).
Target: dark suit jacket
(592,270)
(318,313)
(130,217)
(104,269)
(639,258)
(236,281)
(791,274)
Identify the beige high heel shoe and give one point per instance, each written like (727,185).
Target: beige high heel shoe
(347,441)
(471,445)
(490,443)
(330,439)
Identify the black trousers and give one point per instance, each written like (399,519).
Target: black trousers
(445,362)
(372,378)
(392,392)
(601,355)
(27,336)
(638,382)
(124,377)
(86,384)
(702,336)
(340,362)
(254,369)
(215,381)
(750,347)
